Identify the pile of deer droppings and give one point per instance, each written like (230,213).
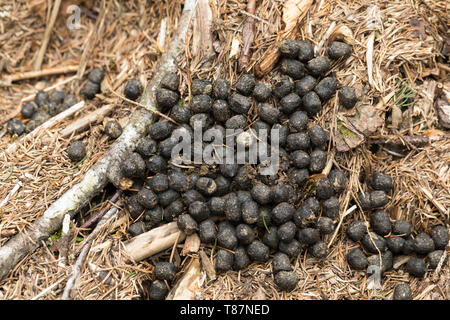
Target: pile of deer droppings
(245,215)
(47,105)
(388,239)
(242,214)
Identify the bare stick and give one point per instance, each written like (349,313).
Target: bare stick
(84,122)
(48,30)
(153,241)
(107,167)
(65,239)
(84,252)
(48,124)
(418,141)
(102,212)
(40,73)
(48,289)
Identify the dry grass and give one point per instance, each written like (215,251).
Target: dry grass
(129,46)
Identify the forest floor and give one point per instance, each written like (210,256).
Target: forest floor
(402,78)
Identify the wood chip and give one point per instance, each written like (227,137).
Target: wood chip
(191,244)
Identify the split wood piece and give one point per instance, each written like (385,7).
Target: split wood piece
(48,124)
(191,244)
(106,168)
(48,31)
(153,241)
(207,266)
(202,44)
(188,286)
(38,74)
(86,121)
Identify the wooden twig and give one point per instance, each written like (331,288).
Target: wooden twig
(248,34)
(417,141)
(38,74)
(48,124)
(48,289)
(48,31)
(83,123)
(102,212)
(153,241)
(207,265)
(84,252)
(107,167)
(16,110)
(10,194)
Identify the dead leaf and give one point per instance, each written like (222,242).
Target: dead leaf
(418,29)
(346,138)
(293,13)
(366,120)
(234,52)
(341,32)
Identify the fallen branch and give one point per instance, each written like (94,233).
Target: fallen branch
(84,122)
(37,74)
(105,170)
(153,241)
